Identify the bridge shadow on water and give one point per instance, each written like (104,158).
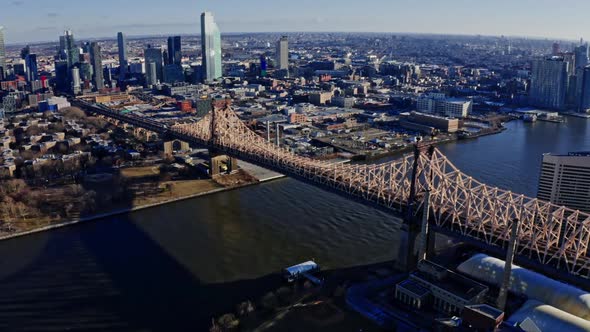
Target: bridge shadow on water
(109,275)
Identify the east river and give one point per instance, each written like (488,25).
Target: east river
(178,265)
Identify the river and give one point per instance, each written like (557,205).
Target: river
(178,265)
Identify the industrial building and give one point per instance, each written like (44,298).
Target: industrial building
(424,122)
(447,291)
(533,285)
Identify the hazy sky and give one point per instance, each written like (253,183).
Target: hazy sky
(43,20)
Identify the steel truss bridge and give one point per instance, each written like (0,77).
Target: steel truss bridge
(548,234)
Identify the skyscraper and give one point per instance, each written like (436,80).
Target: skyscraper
(174,50)
(76,82)
(565,180)
(123,62)
(32,69)
(2,53)
(210,47)
(584,106)
(154,55)
(151,76)
(581,61)
(72,52)
(96,61)
(549,83)
(282,56)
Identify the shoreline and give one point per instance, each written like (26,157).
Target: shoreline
(122,211)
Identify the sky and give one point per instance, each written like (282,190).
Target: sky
(41,20)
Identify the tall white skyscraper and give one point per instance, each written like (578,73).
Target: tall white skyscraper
(2,52)
(282,56)
(211,47)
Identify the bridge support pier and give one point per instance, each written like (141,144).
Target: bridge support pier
(175,145)
(409,243)
(220,164)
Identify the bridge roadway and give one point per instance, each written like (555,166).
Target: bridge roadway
(552,239)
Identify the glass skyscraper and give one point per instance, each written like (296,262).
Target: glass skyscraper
(32,69)
(154,55)
(71,50)
(96,60)
(123,62)
(210,47)
(174,50)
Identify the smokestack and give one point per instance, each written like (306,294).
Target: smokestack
(508,265)
(268,131)
(278,135)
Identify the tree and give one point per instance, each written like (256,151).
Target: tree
(73,113)
(228,322)
(33,130)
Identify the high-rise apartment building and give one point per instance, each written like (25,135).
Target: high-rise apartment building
(549,83)
(76,82)
(2,53)
(565,180)
(282,53)
(32,69)
(439,103)
(154,55)
(151,75)
(174,50)
(96,61)
(123,62)
(210,47)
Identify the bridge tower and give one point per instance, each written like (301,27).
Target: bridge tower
(219,162)
(416,241)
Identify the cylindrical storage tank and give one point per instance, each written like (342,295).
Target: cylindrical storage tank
(531,284)
(548,318)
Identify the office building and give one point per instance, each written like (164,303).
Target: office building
(154,55)
(581,61)
(173,73)
(549,83)
(565,180)
(282,53)
(210,48)
(96,61)
(585,90)
(123,61)
(61,75)
(2,54)
(174,50)
(31,67)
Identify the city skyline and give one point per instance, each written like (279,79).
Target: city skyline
(526,18)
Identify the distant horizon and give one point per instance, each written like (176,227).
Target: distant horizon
(28,21)
(184,34)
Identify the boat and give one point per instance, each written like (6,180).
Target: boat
(298,271)
(529,117)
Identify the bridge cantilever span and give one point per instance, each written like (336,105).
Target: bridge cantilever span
(548,233)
